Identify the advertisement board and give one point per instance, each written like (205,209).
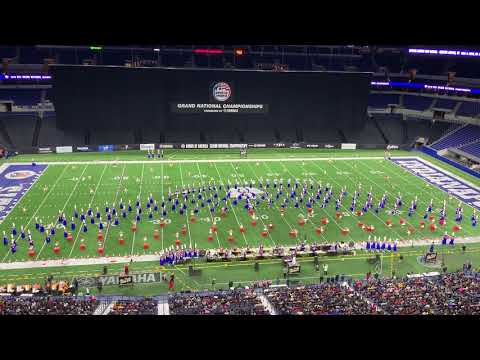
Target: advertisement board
(105,148)
(64,149)
(348,146)
(145,147)
(45,150)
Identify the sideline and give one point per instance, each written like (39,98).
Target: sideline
(194,161)
(156,256)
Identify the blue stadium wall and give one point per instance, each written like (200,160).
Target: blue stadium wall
(433,153)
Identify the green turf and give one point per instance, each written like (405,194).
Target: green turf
(194,154)
(63,186)
(97,184)
(243,272)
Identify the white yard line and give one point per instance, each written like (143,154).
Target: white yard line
(326,213)
(152,257)
(450,206)
(282,217)
(206,160)
(233,207)
(66,203)
(90,204)
(209,212)
(186,215)
(140,197)
(355,186)
(162,180)
(307,220)
(38,208)
(114,204)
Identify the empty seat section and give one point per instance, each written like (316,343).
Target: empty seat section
(21,96)
(464,135)
(473,148)
(381,101)
(469,108)
(445,104)
(20,128)
(420,103)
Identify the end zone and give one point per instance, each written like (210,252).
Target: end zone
(15,181)
(442,179)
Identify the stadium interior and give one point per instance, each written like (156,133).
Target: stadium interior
(422,99)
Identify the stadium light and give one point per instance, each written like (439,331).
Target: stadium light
(156,49)
(239,52)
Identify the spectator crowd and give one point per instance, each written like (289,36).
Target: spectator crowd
(236,302)
(450,294)
(443,294)
(323,299)
(134,307)
(47,306)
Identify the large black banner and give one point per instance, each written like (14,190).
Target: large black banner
(178,102)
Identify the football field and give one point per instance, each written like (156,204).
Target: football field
(94,182)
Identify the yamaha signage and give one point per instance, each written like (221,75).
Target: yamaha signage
(106,280)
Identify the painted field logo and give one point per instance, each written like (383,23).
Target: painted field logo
(20,175)
(245,192)
(222,91)
(442,179)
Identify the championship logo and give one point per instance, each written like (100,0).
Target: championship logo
(20,175)
(222,91)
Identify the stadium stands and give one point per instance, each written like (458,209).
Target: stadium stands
(419,128)
(455,293)
(134,307)
(420,103)
(237,302)
(469,108)
(323,299)
(393,127)
(450,294)
(445,104)
(380,101)
(21,97)
(20,129)
(47,306)
(456,138)
(472,148)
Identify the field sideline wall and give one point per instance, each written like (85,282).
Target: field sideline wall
(433,153)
